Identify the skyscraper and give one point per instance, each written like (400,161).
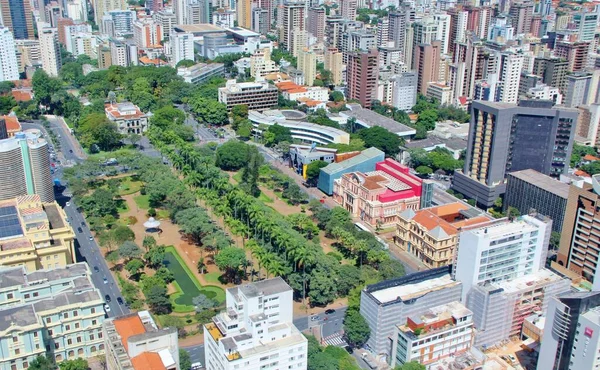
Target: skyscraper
(427,64)
(521,14)
(506,137)
(333,64)
(9,65)
(348,9)
(293,20)
(101,7)
(26,167)
(17,16)
(307,63)
(586,25)
(244,13)
(362,74)
(316,23)
(50,50)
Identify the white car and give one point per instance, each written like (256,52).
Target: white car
(68,204)
(196,366)
(106,307)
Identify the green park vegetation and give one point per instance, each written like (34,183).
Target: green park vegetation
(330,357)
(577,154)
(439,159)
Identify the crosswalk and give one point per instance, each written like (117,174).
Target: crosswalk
(335,340)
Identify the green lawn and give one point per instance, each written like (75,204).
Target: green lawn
(128,186)
(142,201)
(213,277)
(122,207)
(188,287)
(264,198)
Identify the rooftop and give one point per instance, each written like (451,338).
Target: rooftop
(265,287)
(370,118)
(365,155)
(129,326)
(445,312)
(148,361)
(12,123)
(126,110)
(19,316)
(67,299)
(527,282)
(197,28)
(542,181)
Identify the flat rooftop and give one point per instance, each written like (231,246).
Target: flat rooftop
(538,278)
(542,181)
(408,291)
(264,287)
(371,119)
(441,312)
(198,28)
(365,155)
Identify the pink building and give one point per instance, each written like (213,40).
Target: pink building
(378,196)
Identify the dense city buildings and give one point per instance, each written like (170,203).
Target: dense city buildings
(16,15)
(364,161)
(256,329)
(504,138)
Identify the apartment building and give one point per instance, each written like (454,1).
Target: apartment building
(529,190)
(256,330)
(256,95)
(9,66)
(389,303)
(571,334)
(500,251)
(55,312)
(500,309)
(432,234)
(128,118)
(362,75)
(50,51)
(134,342)
(377,197)
(433,334)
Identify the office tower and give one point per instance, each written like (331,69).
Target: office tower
(405,91)
(179,9)
(482,255)
(529,190)
(154,5)
(118,23)
(26,168)
(167,19)
(333,64)
(427,64)
(102,7)
(256,329)
(553,72)
(182,44)
(348,9)
(134,341)
(425,31)
(509,71)
(502,30)
(50,51)
(293,19)
(586,25)
(506,137)
(9,65)
(77,10)
(17,16)
(307,63)
(53,12)
(55,312)
(268,7)
(389,303)
(362,73)
(243,9)
(570,340)
(521,14)
(400,21)
(316,23)
(257,95)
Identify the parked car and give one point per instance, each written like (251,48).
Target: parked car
(329,311)
(107,298)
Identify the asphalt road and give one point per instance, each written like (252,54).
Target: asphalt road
(332,323)
(87,250)
(196,353)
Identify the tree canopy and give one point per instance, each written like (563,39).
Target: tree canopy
(381,139)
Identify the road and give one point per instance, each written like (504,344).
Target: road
(86,247)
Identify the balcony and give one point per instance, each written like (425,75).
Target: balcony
(214,332)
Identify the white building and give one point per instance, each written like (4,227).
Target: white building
(128,118)
(509,71)
(77,10)
(405,91)
(442,93)
(123,54)
(256,330)
(147,33)
(9,65)
(545,92)
(134,342)
(182,44)
(50,51)
(433,334)
(501,251)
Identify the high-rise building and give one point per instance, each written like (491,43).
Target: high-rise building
(400,21)
(154,5)
(257,95)
(17,16)
(104,57)
(427,64)
(123,54)
(405,91)
(589,123)
(531,191)
(316,23)
(553,71)
(500,251)
(56,313)
(574,52)
(53,13)
(299,40)
(293,20)
(457,28)
(333,64)
(362,74)
(9,65)
(506,137)
(307,63)
(259,21)
(26,167)
(244,13)
(28,53)
(389,303)
(256,330)
(348,9)
(521,14)
(585,22)
(134,342)
(102,7)
(582,89)
(182,44)
(167,19)
(147,33)
(571,332)
(77,10)
(118,22)
(443,31)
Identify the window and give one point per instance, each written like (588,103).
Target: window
(66,315)
(69,341)
(93,322)
(25,364)
(17,351)
(9,296)
(15,339)
(80,351)
(78,339)
(50,332)
(67,327)
(48,320)
(56,345)
(93,310)
(75,314)
(13,367)
(76,325)
(100,335)
(92,336)
(26,296)
(35,334)
(35,294)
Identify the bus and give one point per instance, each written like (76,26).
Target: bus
(361,227)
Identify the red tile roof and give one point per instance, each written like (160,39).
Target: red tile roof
(12,123)
(591,158)
(22,95)
(129,326)
(148,361)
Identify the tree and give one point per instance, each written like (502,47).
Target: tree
(99,204)
(336,96)
(44,87)
(122,233)
(294,194)
(134,139)
(239,114)
(96,129)
(391,269)
(165,275)
(76,364)
(277,134)
(322,288)
(112,257)
(251,170)
(157,299)
(185,363)
(232,155)
(41,363)
(7,103)
(244,129)
(314,169)
(72,73)
(167,117)
(554,240)
(427,119)
(155,256)
(134,266)
(209,111)
(129,250)
(356,329)
(413,365)
(348,278)
(202,303)
(148,242)
(381,139)
(185,63)
(230,260)
(424,170)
